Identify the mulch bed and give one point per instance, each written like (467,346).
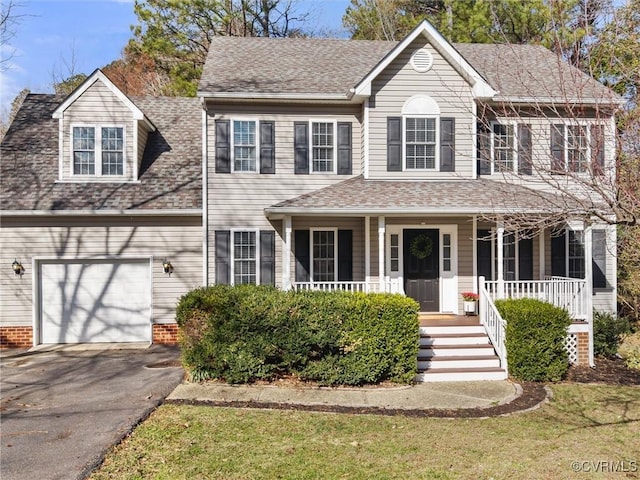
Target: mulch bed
(610,371)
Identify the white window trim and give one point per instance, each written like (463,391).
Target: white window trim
(97,127)
(514,124)
(587,124)
(335,251)
(436,167)
(232,241)
(334,122)
(232,145)
(587,130)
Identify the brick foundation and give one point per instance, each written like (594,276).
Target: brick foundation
(583,348)
(166,334)
(16,337)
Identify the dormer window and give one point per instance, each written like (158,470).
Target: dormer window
(106,144)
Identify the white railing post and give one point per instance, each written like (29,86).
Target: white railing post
(482,308)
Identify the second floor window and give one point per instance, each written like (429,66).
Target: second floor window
(112,151)
(503,147)
(420,143)
(244,145)
(105,144)
(577,148)
(322,147)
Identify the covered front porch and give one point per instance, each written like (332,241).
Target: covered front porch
(433,252)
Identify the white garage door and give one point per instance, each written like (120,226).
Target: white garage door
(95,301)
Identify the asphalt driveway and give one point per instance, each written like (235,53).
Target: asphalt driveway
(60,411)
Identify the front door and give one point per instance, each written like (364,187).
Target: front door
(422,267)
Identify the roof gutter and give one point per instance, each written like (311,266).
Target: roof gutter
(273,212)
(191,212)
(295,97)
(559,101)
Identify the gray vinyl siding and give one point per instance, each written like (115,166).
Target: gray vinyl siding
(399,82)
(97,107)
(237,200)
(142,142)
(605,300)
(177,239)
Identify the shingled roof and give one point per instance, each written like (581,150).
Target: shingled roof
(170,175)
(294,66)
(378,197)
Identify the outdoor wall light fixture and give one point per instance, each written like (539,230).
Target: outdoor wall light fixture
(17,267)
(167,267)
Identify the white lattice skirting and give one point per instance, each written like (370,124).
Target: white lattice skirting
(571,345)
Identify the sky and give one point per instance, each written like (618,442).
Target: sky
(49,33)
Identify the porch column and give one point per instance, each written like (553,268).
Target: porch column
(381,232)
(588,279)
(474,239)
(541,254)
(367,251)
(500,255)
(286,254)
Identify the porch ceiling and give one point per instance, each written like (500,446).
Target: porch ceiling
(357,196)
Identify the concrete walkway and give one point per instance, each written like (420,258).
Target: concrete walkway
(423,396)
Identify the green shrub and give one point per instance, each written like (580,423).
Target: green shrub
(535,336)
(246,333)
(608,331)
(632,358)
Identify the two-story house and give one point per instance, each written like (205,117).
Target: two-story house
(330,164)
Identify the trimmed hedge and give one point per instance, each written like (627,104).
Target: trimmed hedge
(535,336)
(246,333)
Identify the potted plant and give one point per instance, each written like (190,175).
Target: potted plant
(470,299)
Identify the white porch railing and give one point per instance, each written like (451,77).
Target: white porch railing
(494,325)
(567,293)
(387,286)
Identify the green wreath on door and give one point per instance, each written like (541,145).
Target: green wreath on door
(421,246)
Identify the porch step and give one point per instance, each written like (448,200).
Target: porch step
(448,320)
(456,350)
(453,339)
(457,329)
(478,350)
(461,375)
(440,362)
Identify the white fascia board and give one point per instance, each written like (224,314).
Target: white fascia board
(481,89)
(273,212)
(89,81)
(102,213)
(296,97)
(537,101)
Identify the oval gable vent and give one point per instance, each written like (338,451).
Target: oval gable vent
(422,60)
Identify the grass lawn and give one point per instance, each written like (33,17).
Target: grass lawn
(583,423)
